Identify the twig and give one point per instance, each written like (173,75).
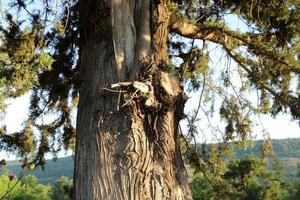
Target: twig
(129,99)
(200,99)
(115,91)
(121,84)
(119,100)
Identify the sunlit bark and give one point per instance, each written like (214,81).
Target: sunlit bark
(127,143)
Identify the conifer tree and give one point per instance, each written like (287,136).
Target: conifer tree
(120,62)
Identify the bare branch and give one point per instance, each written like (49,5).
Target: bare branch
(189,30)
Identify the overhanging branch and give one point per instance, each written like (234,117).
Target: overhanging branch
(285,100)
(220,34)
(230,40)
(190,30)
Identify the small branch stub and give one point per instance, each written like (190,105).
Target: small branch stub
(145,88)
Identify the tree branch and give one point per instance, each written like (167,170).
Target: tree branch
(222,35)
(190,30)
(259,82)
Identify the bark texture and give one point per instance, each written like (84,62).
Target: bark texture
(126,145)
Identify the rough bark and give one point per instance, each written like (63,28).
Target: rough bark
(126,143)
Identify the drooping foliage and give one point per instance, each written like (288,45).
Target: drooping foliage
(41,59)
(39,54)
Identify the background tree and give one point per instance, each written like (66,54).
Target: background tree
(201,188)
(296,185)
(62,189)
(246,178)
(125,60)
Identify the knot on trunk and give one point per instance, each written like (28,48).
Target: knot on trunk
(159,91)
(169,92)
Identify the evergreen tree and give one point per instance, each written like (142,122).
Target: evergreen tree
(125,60)
(62,189)
(297,185)
(248,178)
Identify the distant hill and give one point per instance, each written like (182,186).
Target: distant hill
(53,169)
(287,149)
(284,148)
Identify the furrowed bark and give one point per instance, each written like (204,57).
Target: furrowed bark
(126,143)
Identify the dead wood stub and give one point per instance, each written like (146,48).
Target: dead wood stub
(158,92)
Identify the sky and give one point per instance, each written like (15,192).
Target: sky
(280,127)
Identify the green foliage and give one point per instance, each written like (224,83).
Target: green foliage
(62,189)
(2,162)
(28,188)
(41,59)
(238,123)
(296,185)
(201,188)
(22,57)
(248,179)
(31,189)
(6,184)
(250,173)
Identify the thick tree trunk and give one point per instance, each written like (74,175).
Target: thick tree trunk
(126,145)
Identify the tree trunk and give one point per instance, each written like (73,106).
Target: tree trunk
(127,142)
